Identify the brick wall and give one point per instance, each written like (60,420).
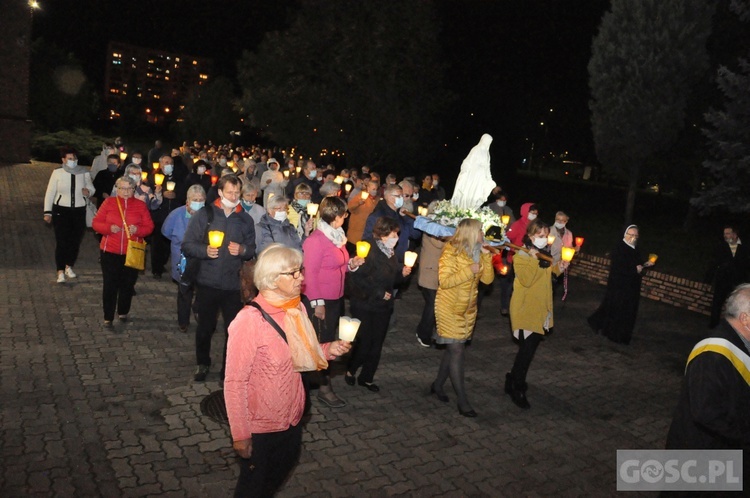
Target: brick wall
(668,289)
(15,53)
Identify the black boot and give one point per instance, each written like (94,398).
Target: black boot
(518,394)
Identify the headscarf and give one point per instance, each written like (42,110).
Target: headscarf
(626,233)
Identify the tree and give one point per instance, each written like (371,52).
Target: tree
(60,94)
(645,59)
(362,77)
(729,139)
(210,112)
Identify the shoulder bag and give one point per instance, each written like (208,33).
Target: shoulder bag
(135,257)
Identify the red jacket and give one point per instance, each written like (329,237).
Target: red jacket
(518,229)
(136,213)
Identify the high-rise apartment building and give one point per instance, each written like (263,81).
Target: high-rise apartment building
(151,82)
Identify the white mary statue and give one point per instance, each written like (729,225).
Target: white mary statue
(474,182)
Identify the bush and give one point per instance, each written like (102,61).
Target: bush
(46,146)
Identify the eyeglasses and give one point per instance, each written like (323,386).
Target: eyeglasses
(125,188)
(294,273)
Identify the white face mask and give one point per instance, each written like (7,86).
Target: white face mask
(501,203)
(390,242)
(280,216)
(201,170)
(137,160)
(559,225)
(136,179)
(531,216)
(229,204)
(71,163)
(540,243)
(168,169)
(415,197)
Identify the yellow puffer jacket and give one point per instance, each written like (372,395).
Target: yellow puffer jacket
(532,294)
(456,302)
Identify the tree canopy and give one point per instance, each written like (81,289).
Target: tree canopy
(645,60)
(361,77)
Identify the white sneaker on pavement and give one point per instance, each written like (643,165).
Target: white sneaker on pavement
(69,272)
(61,278)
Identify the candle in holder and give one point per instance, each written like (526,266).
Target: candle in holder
(579,241)
(504,270)
(410,257)
(348,328)
(215,238)
(505,219)
(347,187)
(363,249)
(155,166)
(298,169)
(339,179)
(312,209)
(230,165)
(568,253)
(652,258)
(123,156)
(158,178)
(144,176)
(365,194)
(286,174)
(214,179)
(170,186)
(550,240)
(423,211)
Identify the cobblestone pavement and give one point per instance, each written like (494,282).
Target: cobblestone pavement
(87,412)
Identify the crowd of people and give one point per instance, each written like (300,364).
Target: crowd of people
(287,263)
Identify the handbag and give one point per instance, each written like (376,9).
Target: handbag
(90,212)
(135,257)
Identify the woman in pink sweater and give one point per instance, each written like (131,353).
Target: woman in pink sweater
(270,342)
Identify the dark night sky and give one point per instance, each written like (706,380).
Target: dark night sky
(510,61)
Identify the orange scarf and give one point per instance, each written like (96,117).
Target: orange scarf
(307,355)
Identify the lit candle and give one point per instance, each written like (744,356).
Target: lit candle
(348,328)
(155,166)
(504,270)
(365,194)
(550,240)
(144,176)
(423,211)
(158,178)
(579,241)
(215,238)
(298,169)
(214,179)
(652,258)
(567,253)
(505,219)
(339,180)
(230,164)
(312,209)
(170,186)
(123,156)
(410,257)
(286,174)
(347,187)
(363,249)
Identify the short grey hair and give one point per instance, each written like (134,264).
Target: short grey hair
(329,188)
(272,261)
(195,190)
(392,189)
(127,180)
(275,202)
(738,301)
(249,188)
(133,168)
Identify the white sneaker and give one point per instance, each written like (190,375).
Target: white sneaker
(61,278)
(69,272)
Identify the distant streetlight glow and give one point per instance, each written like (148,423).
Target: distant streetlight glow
(34,4)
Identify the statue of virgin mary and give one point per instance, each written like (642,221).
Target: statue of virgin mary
(474,181)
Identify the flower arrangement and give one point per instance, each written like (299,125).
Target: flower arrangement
(447,214)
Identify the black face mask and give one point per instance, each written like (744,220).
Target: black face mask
(111,167)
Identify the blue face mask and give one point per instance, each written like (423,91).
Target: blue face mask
(168,168)
(303,202)
(196,205)
(246,205)
(399,202)
(312,174)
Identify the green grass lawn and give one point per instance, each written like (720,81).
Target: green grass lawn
(597,212)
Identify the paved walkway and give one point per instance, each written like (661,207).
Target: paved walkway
(85,412)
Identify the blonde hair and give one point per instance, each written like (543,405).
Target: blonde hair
(273,260)
(466,234)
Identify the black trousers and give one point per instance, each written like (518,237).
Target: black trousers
(526,350)
(208,303)
(273,456)
(119,283)
(369,342)
(69,225)
(184,303)
(326,331)
(160,250)
(427,323)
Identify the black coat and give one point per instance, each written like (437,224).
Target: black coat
(379,274)
(616,316)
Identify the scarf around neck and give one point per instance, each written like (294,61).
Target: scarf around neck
(307,355)
(335,235)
